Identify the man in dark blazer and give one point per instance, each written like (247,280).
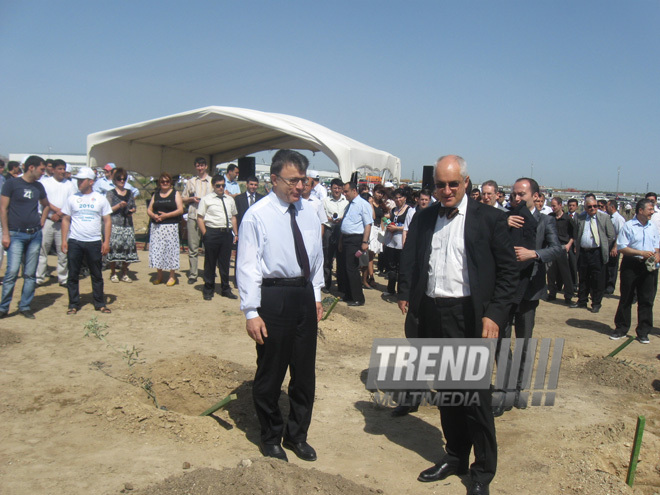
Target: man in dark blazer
(458,275)
(532,287)
(594,238)
(248,198)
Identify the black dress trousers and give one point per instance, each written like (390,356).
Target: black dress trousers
(464,427)
(290,317)
(218,244)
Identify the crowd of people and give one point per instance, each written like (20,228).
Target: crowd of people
(459,260)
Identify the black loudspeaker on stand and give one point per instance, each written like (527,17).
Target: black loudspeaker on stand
(246,167)
(427,177)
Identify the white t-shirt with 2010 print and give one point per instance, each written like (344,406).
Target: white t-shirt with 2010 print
(87,212)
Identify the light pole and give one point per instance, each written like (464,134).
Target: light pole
(618,174)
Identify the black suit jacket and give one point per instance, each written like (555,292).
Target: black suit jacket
(242,204)
(491,261)
(549,249)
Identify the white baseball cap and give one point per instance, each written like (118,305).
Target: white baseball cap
(85,173)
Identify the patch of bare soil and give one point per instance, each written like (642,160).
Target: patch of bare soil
(7,337)
(623,375)
(262,477)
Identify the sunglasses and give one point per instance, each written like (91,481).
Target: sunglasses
(218,185)
(452,185)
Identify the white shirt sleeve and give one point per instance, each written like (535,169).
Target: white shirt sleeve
(248,266)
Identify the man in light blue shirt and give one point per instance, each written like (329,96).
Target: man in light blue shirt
(355,232)
(639,243)
(231,185)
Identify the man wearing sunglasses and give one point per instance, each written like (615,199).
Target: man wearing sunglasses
(458,276)
(594,238)
(216,219)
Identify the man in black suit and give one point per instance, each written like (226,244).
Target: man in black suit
(248,198)
(532,287)
(458,276)
(243,202)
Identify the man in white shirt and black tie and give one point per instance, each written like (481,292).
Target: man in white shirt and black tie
(280,276)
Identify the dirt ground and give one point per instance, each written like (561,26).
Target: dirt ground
(79,414)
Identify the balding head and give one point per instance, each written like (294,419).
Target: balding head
(451,179)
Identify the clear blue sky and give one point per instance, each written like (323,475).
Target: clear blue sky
(570,86)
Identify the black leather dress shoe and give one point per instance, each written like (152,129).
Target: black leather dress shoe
(440,472)
(478,489)
(192,281)
(355,303)
(229,295)
(273,450)
(595,309)
(577,305)
(399,411)
(302,449)
(208,298)
(28,314)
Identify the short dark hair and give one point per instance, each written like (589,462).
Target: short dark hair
(572,200)
(119,172)
(58,162)
(602,202)
(400,192)
(491,183)
(558,200)
(533,185)
(612,202)
(200,159)
(252,178)
(651,194)
(475,190)
(217,178)
(11,165)
(336,182)
(291,157)
(231,167)
(2,164)
(49,160)
(425,192)
(32,161)
(641,204)
(351,185)
(589,195)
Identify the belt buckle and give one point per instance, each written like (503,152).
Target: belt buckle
(30,231)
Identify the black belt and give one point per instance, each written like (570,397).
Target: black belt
(352,235)
(219,229)
(450,301)
(591,250)
(32,230)
(284,282)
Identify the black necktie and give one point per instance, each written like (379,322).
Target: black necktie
(301,252)
(448,212)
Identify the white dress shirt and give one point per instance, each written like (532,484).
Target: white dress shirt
(267,248)
(212,209)
(448,270)
(318,204)
(320,191)
(333,206)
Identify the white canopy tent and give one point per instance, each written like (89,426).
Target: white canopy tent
(221,134)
